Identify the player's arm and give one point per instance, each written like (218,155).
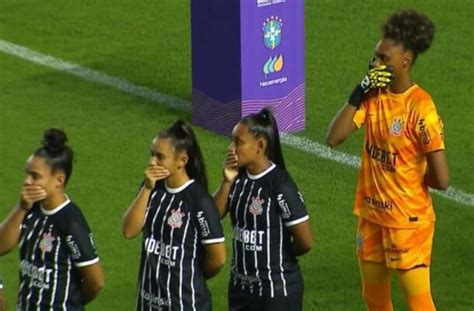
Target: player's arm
(302,238)
(214,260)
(92,282)
(341,126)
(229,174)
(10,229)
(437,174)
(134,217)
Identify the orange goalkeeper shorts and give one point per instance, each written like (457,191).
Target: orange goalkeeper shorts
(397,248)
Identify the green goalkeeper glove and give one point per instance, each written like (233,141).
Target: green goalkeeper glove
(377,77)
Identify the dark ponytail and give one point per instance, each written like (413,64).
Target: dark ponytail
(183,139)
(55,152)
(263,124)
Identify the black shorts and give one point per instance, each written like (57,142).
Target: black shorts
(242,300)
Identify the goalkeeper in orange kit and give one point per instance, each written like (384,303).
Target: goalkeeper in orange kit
(403,155)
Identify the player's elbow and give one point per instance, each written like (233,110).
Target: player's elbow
(332,141)
(97,285)
(443,183)
(127,233)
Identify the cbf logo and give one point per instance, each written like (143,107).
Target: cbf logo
(256,206)
(396,128)
(176,218)
(272,32)
(46,244)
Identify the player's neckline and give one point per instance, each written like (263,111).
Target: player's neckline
(53,211)
(265,172)
(180,188)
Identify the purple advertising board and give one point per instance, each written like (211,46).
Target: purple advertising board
(246,55)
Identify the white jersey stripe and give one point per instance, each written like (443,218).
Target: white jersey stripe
(268,249)
(181,263)
(169,266)
(236,255)
(257,272)
(245,226)
(68,281)
(55,282)
(192,270)
(33,256)
(157,275)
(281,259)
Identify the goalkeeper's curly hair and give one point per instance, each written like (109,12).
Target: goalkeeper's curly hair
(415,31)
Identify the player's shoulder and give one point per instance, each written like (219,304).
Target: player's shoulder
(279,177)
(197,193)
(420,100)
(69,216)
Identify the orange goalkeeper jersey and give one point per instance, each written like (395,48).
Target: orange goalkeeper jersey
(399,130)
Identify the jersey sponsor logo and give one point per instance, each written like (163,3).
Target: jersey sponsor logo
(256,206)
(167,253)
(425,136)
(73,247)
(155,301)
(176,218)
(203,224)
(46,244)
(245,280)
(396,129)
(386,158)
(441,128)
(301,196)
(285,210)
(252,239)
(385,205)
(40,276)
(394,249)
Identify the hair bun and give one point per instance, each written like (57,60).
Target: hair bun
(54,140)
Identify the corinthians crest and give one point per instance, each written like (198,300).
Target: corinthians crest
(176,218)
(396,129)
(256,206)
(46,244)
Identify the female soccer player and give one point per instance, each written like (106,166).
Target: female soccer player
(183,242)
(59,266)
(403,155)
(269,219)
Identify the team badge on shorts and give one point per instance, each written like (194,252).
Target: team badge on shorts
(176,218)
(396,128)
(46,244)
(256,206)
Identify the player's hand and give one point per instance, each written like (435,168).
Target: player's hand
(31,194)
(377,77)
(231,166)
(153,173)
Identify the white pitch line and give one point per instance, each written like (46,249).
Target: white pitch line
(297,142)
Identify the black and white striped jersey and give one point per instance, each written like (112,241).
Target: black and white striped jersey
(54,244)
(179,222)
(262,207)
(1,282)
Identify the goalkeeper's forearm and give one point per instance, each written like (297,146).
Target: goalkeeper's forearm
(341,126)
